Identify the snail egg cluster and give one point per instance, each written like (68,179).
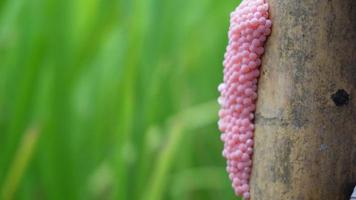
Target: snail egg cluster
(249,28)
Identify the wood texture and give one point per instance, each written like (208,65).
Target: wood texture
(305,138)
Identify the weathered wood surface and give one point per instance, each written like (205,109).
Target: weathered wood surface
(305,144)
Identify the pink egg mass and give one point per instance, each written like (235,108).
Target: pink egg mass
(249,28)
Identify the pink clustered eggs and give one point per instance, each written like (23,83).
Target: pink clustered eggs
(247,34)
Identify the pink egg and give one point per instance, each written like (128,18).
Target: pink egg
(246,195)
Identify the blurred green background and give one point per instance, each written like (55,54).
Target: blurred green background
(112,99)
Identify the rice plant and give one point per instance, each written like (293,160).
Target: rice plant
(112,99)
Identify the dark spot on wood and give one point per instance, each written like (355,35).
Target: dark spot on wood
(340,97)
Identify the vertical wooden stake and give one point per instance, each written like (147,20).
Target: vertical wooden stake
(305,138)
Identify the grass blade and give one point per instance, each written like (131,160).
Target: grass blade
(20,163)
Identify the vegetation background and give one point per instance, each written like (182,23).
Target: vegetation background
(112,99)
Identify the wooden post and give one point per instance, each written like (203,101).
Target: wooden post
(305,138)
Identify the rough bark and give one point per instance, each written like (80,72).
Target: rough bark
(305,137)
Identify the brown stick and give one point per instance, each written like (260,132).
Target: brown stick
(305,138)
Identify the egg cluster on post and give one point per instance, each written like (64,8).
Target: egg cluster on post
(249,27)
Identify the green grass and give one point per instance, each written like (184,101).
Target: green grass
(112,99)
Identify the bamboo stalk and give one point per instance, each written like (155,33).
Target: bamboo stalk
(305,137)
